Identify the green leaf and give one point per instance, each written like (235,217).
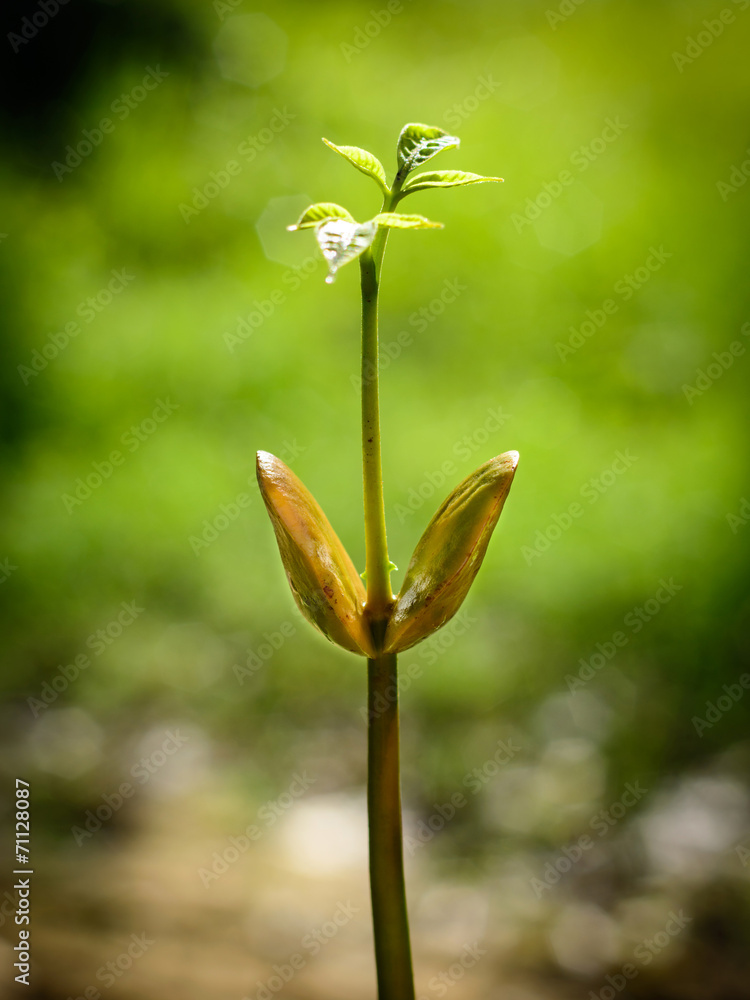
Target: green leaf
(445,179)
(319,212)
(449,554)
(396,220)
(341,241)
(419,143)
(321,575)
(364,161)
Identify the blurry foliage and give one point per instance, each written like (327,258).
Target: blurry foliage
(290,386)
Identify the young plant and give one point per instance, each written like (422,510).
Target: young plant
(330,594)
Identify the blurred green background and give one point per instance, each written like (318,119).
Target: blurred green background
(161,326)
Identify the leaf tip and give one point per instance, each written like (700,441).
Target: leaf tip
(264,462)
(322,577)
(449,554)
(504,464)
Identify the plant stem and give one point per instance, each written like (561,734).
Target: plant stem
(377,565)
(390,919)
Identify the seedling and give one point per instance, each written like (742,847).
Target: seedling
(370,621)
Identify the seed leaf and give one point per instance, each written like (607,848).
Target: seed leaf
(341,241)
(419,143)
(319,213)
(322,577)
(444,179)
(396,220)
(364,161)
(449,554)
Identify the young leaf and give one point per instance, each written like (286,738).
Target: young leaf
(341,241)
(444,179)
(395,220)
(449,554)
(319,213)
(364,161)
(419,143)
(321,575)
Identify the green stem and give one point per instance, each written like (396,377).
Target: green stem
(377,563)
(390,919)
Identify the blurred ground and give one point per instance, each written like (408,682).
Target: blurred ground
(173,906)
(576,747)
